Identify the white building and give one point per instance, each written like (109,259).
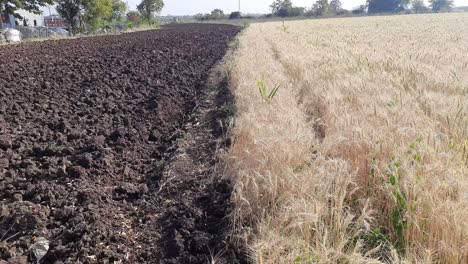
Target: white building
(30,19)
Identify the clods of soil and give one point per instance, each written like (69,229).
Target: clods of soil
(107,148)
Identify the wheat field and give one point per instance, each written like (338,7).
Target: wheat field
(361,156)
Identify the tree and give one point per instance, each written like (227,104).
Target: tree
(284,8)
(200,17)
(217,14)
(281,8)
(9,7)
(386,6)
(321,8)
(297,11)
(335,6)
(118,10)
(69,10)
(133,16)
(359,10)
(441,5)
(96,11)
(235,15)
(148,8)
(419,6)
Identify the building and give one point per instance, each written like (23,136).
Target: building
(55,21)
(460,9)
(30,19)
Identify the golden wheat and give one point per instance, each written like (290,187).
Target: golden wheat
(361,157)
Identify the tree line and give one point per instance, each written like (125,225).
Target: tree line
(285,8)
(217,14)
(87,14)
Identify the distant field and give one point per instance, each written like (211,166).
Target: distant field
(362,155)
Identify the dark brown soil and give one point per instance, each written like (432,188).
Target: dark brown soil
(107,148)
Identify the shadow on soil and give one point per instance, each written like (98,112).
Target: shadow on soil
(195,228)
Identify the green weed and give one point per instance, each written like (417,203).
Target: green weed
(376,238)
(267,97)
(284,28)
(303,260)
(398,217)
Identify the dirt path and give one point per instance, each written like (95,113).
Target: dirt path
(107,148)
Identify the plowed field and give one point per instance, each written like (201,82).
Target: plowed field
(107,148)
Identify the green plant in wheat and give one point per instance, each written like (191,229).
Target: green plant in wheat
(267,96)
(284,28)
(303,260)
(399,213)
(377,238)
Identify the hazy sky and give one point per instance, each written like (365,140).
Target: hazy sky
(190,7)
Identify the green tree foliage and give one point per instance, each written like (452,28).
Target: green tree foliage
(118,10)
(441,5)
(148,8)
(69,10)
(336,7)
(214,15)
(285,8)
(321,8)
(200,17)
(419,6)
(386,6)
(281,8)
(9,7)
(96,12)
(217,14)
(235,15)
(297,11)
